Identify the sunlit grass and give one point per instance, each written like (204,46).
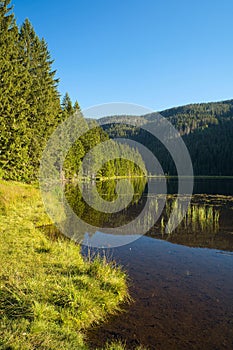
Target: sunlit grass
(49,294)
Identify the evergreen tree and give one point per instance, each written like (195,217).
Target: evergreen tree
(67,107)
(45,110)
(13,105)
(76,151)
(30,110)
(77,107)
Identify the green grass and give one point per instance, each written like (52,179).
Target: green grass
(49,294)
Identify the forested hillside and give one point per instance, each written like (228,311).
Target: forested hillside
(29,100)
(30,107)
(206,128)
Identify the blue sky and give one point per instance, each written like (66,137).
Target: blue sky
(156,53)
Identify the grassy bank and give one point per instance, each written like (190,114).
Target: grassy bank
(49,295)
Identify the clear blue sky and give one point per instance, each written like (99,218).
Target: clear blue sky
(157,53)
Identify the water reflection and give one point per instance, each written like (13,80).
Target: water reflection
(199,218)
(112,224)
(107,190)
(207,223)
(182,297)
(206,185)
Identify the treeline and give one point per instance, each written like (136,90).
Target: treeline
(111,161)
(206,128)
(31,109)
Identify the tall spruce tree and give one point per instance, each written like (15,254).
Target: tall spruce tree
(76,151)
(30,108)
(29,101)
(44,101)
(13,105)
(67,107)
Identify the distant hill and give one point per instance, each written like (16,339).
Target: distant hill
(206,128)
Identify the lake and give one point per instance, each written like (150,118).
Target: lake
(181,282)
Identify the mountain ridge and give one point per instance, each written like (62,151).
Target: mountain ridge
(206,129)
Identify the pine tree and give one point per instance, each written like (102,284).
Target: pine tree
(67,107)
(76,151)
(30,109)
(13,106)
(44,101)
(77,107)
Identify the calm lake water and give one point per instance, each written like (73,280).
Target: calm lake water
(182,282)
(212,186)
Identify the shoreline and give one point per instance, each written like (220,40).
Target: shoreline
(50,295)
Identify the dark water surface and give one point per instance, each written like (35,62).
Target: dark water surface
(182,298)
(202,185)
(181,283)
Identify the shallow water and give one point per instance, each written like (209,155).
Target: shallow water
(182,298)
(181,283)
